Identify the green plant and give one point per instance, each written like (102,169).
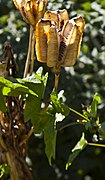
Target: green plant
(27,94)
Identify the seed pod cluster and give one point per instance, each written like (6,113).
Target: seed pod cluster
(58,39)
(31,10)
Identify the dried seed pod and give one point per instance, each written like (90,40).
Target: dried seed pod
(59,17)
(29,15)
(41,39)
(63,16)
(17,3)
(74,41)
(31,10)
(60,42)
(53,42)
(52,15)
(64,40)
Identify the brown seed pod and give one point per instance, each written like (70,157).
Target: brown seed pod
(74,41)
(58,44)
(31,10)
(53,42)
(59,17)
(41,39)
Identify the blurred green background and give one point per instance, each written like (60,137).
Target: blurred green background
(79,83)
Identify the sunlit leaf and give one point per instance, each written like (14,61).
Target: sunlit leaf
(76,150)
(58,105)
(94,105)
(4,169)
(37,83)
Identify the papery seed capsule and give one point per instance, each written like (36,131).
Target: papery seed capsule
(17,3)
(63,16)
(53,46)
(80,23)
(67,28)
(31,10)
(41,40)
(29,14)
(74,40)
(52,15)
(59,17)
(72,50)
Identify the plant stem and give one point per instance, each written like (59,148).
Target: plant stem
(26,137)
(56,81)
(79,114)
(57,74)
(29,52)
(32,55)
(68,125)
(94,144)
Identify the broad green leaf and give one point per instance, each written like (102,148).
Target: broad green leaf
(14,89)
(41,122)
(2,103)
(5,82)
(4,169)
(37,83)
(50,138)
(17,89)
(76,150)
(32,110)
(94,105)
(58,105)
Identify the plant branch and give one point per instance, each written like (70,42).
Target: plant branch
(29,52)
(79,114)
(32,55)
(68,125)
(94,144)
(57,74)
(26,137)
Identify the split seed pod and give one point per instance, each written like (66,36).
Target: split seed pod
(59,45)
(31,10)
(59,17)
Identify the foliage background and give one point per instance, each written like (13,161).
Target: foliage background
(79,83)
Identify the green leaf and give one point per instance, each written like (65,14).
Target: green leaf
(32,110)
(50,133)
(94,105)
(5,82)
(2,102)
(76,150)
(14,89)
(17,90)
(37,83)
(58,105)
(4,169)
(41,122)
